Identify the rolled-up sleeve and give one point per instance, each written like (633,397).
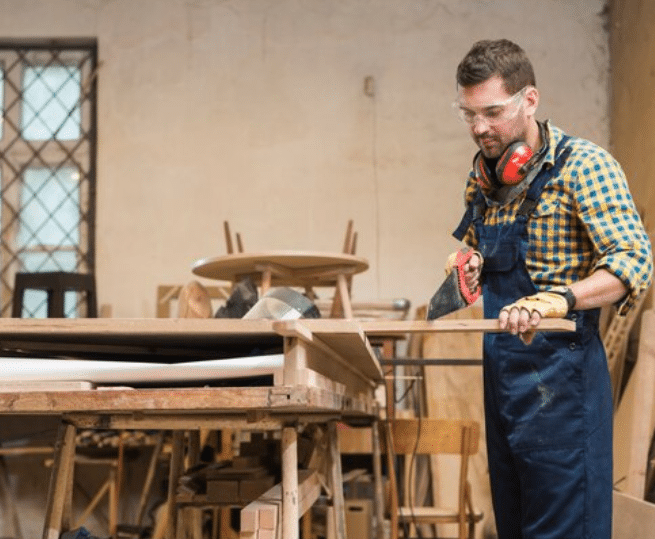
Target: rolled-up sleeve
(608,212)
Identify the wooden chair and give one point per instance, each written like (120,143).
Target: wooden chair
(439,436)
(168,294)
(228,239)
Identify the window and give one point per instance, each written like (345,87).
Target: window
(47,164)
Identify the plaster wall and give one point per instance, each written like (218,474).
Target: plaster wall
(632,39)
(254,111)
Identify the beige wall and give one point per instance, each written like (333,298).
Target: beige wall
(254,111)
(632,103)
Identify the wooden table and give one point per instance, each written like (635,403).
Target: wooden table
(306,269)
(330,374)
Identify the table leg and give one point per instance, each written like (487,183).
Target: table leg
(336,481)
(341,303)
(150,477)
(60,480)
(177,456)
(393,486)
(267,276)
(379,486)
(290,510)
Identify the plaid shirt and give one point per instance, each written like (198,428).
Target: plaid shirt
(585,220)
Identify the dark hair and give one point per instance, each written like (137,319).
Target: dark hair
(501,57)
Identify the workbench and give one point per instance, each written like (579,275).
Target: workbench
(330,373)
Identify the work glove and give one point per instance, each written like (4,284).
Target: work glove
(470,268)
(527,312)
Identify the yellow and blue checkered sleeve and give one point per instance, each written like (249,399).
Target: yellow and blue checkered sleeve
(470,192)
(608,213)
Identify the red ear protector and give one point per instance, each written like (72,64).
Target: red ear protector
(512,166)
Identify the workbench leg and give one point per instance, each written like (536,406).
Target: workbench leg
(393,486)
(193,515)
(60,481)
(150,477)
(177,456)
(10,511)
(290,510)
(377,481)
(336,481)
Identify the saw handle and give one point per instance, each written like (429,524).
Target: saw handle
(462,258)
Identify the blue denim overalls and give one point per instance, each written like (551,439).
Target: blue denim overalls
(548,405)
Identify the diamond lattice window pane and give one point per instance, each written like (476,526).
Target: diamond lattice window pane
(50,207)
(40,262)
(51,103)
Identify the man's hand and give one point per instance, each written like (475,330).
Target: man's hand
(522,316)
(472,268)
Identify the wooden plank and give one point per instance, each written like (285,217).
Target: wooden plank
(60,481)
(435,436)
(117,327)
(632,518)
(113,338)
(336,481)
(343,337)
(304,350)
(264,513)
(636,417)
(290,495)
(455,392)
(391,327)
(12,387)
(164,403)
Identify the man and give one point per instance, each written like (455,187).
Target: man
(559,236)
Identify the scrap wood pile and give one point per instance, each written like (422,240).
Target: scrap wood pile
(239,480)
(630,344)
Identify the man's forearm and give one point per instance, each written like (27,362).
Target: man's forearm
(599,289)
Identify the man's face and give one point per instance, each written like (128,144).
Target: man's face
(495,118)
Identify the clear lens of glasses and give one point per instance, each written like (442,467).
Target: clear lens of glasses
(493,114)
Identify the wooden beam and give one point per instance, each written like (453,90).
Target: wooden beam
(643,418)
(60,481)
(265,512)
(632,517)
(391,327)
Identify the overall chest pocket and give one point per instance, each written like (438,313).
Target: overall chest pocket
(501,255)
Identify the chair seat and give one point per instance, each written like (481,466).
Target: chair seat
(434,514)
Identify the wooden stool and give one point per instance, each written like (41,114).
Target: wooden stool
(55,283)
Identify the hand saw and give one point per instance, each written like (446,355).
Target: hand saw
(453,294)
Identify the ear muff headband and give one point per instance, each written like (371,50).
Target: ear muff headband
(511,168)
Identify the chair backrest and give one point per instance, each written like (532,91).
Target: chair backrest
(433,436)
(454,436)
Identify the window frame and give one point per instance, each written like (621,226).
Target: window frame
(17,154)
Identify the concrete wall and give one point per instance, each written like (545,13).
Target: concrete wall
(254,111)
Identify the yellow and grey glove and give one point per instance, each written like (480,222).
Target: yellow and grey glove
(547,304)
(554,303)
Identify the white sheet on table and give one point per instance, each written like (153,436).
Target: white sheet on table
(110,372)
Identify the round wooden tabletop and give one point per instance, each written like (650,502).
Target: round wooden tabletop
(286,268)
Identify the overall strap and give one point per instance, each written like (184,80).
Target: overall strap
(539,183)
(475,210)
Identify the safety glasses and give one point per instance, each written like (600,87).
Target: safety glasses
(494,113)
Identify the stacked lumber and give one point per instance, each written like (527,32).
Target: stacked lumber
(235,482)
(262,519)
(634,432)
